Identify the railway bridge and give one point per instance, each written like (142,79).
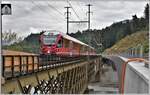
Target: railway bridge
(25,73)
(29,73)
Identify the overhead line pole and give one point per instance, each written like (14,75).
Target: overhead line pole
(1,42)
(88,57)
(89,12)
(67,19)
(88,21)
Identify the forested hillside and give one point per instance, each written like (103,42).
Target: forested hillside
(104,38)
(131,41)
(110,35)
(29,44)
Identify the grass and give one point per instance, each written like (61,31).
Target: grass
(130,41)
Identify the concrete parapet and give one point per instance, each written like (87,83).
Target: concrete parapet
(136,79)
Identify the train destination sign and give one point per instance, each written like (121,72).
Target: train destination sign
(6,9)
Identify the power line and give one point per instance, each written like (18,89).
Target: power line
(55,9)
(50,6)
(73,9)
(60,12)
(43,10)
(79,4)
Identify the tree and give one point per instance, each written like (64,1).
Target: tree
(10,37)
(135,23)
(134,17)
(146,12)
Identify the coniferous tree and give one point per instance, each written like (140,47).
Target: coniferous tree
(146,12)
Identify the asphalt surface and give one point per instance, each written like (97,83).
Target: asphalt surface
(108,82)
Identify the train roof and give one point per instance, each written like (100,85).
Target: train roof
(74,40)
(67,37)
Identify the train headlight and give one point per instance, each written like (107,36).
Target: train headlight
(48,51)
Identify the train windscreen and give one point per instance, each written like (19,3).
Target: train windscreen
(49,39)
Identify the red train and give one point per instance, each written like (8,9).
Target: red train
(54,42)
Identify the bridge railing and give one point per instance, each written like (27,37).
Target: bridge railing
(135,52)
(17,65)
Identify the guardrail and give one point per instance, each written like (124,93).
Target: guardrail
(132,75)
(135,52)
(19,65)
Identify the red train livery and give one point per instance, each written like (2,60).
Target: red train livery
(54,42)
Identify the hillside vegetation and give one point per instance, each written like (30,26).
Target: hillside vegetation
(131,41)
(29,44)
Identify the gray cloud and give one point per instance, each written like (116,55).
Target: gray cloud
(30,17)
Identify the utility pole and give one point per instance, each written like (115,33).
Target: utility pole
(88,57)
(89,12)
(1,42)
(5,9)
(2,74)
(67,19)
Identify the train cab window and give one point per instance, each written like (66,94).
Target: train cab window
(49,39)
(59,44)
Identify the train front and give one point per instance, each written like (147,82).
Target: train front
(48,42)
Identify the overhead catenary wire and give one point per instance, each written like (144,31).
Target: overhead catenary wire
(59,11)
(57,21)
(73,9)
(45,11)
(50,6)
(79,4)
(27,11)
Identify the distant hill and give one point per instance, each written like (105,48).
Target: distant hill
(29,44)
(130,41)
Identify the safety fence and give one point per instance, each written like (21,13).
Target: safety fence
(135,52)
(18,65)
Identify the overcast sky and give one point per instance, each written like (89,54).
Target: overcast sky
(34,16)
